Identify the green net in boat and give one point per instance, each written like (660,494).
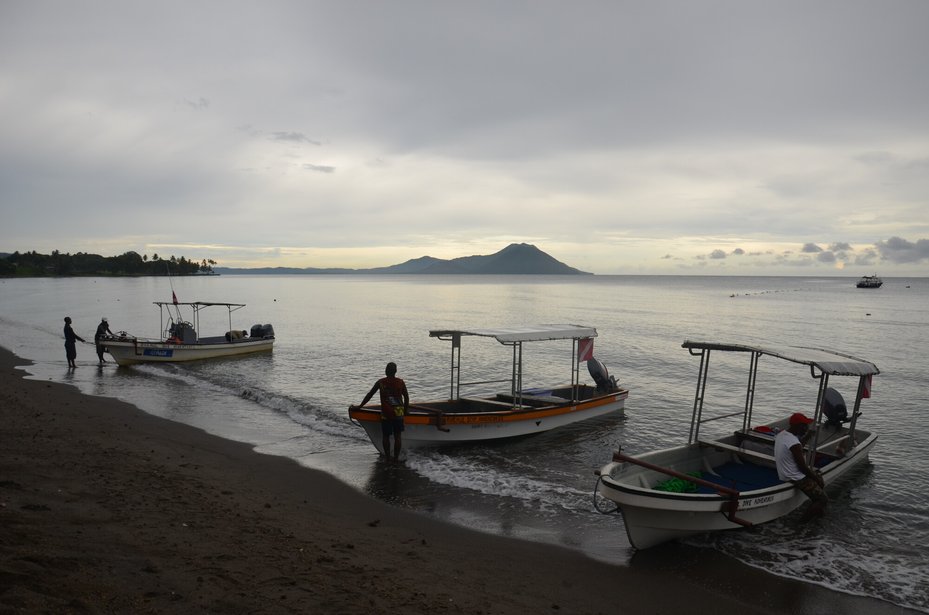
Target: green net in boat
(679,485)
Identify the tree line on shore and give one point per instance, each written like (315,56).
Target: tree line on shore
(32,264)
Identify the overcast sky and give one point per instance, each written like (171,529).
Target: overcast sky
(690,136)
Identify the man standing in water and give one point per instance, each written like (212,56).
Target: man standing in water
(395,403)
(103,329)
(71,339)
(792,466)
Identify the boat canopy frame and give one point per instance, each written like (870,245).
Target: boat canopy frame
(515,337)
(822,364)
(195,306)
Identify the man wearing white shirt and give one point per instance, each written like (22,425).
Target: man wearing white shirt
(792,466)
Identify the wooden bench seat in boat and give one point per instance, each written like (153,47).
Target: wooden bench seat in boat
(739,450)
(756,436)
(463,405)
(832,439)
(822,458)
(472,404)
(534,400)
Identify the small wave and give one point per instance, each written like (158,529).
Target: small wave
(478,476)
(806,553)
(302,413)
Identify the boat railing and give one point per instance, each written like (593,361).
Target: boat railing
(732,503)
(722,416)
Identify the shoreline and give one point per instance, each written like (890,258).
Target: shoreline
(106,508)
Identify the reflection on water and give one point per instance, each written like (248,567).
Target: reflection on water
(336,333)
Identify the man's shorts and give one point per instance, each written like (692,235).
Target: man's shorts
(391,427)
(812,489)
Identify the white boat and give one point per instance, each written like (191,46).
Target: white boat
(869,281)
(517,411)
(182,342)
(731,481)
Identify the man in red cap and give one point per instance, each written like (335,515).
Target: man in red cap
(792,466)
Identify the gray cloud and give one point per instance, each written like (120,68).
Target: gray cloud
(899,250)
(613,137)
(293,137)
(893,250)
(200,103)
(318,167)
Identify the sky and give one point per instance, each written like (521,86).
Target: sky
(706,137)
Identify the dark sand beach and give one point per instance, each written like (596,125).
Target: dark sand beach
(106,509)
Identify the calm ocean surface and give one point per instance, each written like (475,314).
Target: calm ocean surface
(336,333)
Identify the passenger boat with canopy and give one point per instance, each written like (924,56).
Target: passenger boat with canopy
(870,281)
(181,340)
(730,481)
(516,411)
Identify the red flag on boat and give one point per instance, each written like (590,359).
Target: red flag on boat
(866,388)
(585,349)
(173,297)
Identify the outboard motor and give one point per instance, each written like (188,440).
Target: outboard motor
(605,382)
(262,331)
(834,408)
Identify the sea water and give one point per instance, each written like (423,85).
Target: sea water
(336,333)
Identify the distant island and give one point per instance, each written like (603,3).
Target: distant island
(59,264)
(515,259)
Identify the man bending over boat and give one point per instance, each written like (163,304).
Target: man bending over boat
(395,402)
(103,329)
(792,465)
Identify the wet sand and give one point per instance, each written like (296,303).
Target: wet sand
(106,509)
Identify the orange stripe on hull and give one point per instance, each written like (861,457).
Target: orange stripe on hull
(473,418)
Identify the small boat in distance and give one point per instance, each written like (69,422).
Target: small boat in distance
(869,281)
(517,411)
(181,340)
(731,481)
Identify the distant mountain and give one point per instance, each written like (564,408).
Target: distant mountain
(517,258)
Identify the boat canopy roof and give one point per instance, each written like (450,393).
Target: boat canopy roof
(199,303)
(827,361)
(530,333)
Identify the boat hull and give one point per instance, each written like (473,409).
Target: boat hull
(652,517)
(130,352)
(423,428)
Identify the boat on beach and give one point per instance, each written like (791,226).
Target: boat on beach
(727,482)
(869,281)
(181,340)
(516,411)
